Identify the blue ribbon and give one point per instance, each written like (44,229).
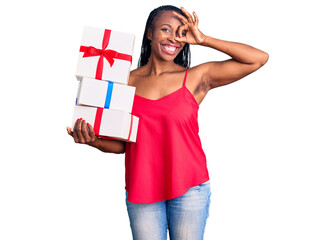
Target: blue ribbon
(108,95)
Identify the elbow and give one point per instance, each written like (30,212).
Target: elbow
(122,148)
(120,152)
(260,61)
(115,151)
(263,59)
(118,147)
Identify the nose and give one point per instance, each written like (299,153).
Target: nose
(172,37)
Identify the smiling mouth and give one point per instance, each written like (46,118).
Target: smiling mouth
(169,49)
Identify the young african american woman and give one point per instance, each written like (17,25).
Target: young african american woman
(167,180)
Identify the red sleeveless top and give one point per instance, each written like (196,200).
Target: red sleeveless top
(167,158)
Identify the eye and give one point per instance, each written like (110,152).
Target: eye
(184,33)
(165,29)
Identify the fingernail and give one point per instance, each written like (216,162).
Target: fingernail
(179,36)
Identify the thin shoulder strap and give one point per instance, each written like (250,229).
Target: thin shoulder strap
(185,77)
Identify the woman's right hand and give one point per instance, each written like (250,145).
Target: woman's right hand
(82,132)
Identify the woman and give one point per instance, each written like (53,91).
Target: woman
(167,181)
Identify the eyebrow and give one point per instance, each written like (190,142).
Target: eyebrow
(165,24)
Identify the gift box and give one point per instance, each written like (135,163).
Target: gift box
(105,55)
(111,123)
(110,95)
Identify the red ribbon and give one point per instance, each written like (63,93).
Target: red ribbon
(99,115)
(97,122)
(130,130)
(110,55)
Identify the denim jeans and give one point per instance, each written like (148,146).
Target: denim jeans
(185,216)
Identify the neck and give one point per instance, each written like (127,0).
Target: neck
(156,66)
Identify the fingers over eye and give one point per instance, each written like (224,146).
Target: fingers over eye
(183,19)
(196,18)
(182,31)
(190,18)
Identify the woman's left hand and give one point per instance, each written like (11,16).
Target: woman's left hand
(189,32)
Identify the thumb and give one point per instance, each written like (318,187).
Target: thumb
(69,131)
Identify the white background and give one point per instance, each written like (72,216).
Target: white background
(269,138)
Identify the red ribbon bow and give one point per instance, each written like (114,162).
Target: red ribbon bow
(109,54)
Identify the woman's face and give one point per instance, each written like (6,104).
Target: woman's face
(163,36)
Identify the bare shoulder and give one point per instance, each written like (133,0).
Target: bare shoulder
(201,70)
(196,78)
(197,83)
(134,75)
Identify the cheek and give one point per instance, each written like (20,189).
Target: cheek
(158,35)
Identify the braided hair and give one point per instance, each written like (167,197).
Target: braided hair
(182,59)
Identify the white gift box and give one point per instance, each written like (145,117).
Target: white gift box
(111,123)
(98,47)
(110,95)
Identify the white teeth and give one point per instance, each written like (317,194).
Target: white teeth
(169,48)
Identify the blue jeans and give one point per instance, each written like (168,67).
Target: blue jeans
(185,216)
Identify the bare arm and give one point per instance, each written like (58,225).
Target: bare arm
(244,58)
(108,145)
(83,133)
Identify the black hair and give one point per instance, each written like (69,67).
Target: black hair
(182,59)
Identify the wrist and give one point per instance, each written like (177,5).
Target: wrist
(96,143)
(205,41)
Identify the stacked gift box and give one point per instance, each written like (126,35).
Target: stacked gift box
(104,100)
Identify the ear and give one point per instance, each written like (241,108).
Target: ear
(149,34)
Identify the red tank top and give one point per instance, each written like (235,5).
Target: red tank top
(167,158)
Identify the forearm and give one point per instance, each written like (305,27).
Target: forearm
(238,51)
(109,145)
